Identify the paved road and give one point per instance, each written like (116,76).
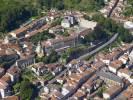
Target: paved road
(88,54)
(82,57)
(99,48)
(113,8)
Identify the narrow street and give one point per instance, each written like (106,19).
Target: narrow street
(99,48)
(82,57)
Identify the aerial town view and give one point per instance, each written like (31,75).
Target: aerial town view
(66,49)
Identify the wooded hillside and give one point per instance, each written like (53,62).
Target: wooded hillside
(14,12)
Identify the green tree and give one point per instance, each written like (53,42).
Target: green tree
(101,90)
(41,37)
(112,27)
(16,87)
(51,58)
(26,90)
(97,34)
(15,12)
(129,8)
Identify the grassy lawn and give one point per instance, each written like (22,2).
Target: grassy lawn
(28,74)
(48,76)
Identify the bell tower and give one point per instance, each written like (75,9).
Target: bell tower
(39,50)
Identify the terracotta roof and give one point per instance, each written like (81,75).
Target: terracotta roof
(13,70)
(110,55)
(72,83)
(97,65)
(12,98)
(24,29)
(53,98)
(57,94)
(128,92)
(19,30)
(8,49)
(2,52)
(51,42)
(126,71)
(53,66)
(74,61)
(3,84)
(6,78)
(79,93)
(116,64)
(75,77)
(90,71)
(43,28)
(113,89)
(90,81)
(82,68)
(39,65)
(125,57)
(44,96)
(69,88)
(126,46)
(55,41)
(88,84)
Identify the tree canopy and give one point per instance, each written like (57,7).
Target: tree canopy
(129,8)
(51,58)
(112,27)
(41,36)
(26,90)
(15,12)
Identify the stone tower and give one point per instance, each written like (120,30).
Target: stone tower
(6,40)
(39,50)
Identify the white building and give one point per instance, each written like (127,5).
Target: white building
(128,25)
(125,73)
(124,58)
(68,21)
(66,89)
(114,66)
(39,68)
(39,50)
(65,23)
(4,89)
(131,56)
(111,92)
(14,73)
(87,24)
